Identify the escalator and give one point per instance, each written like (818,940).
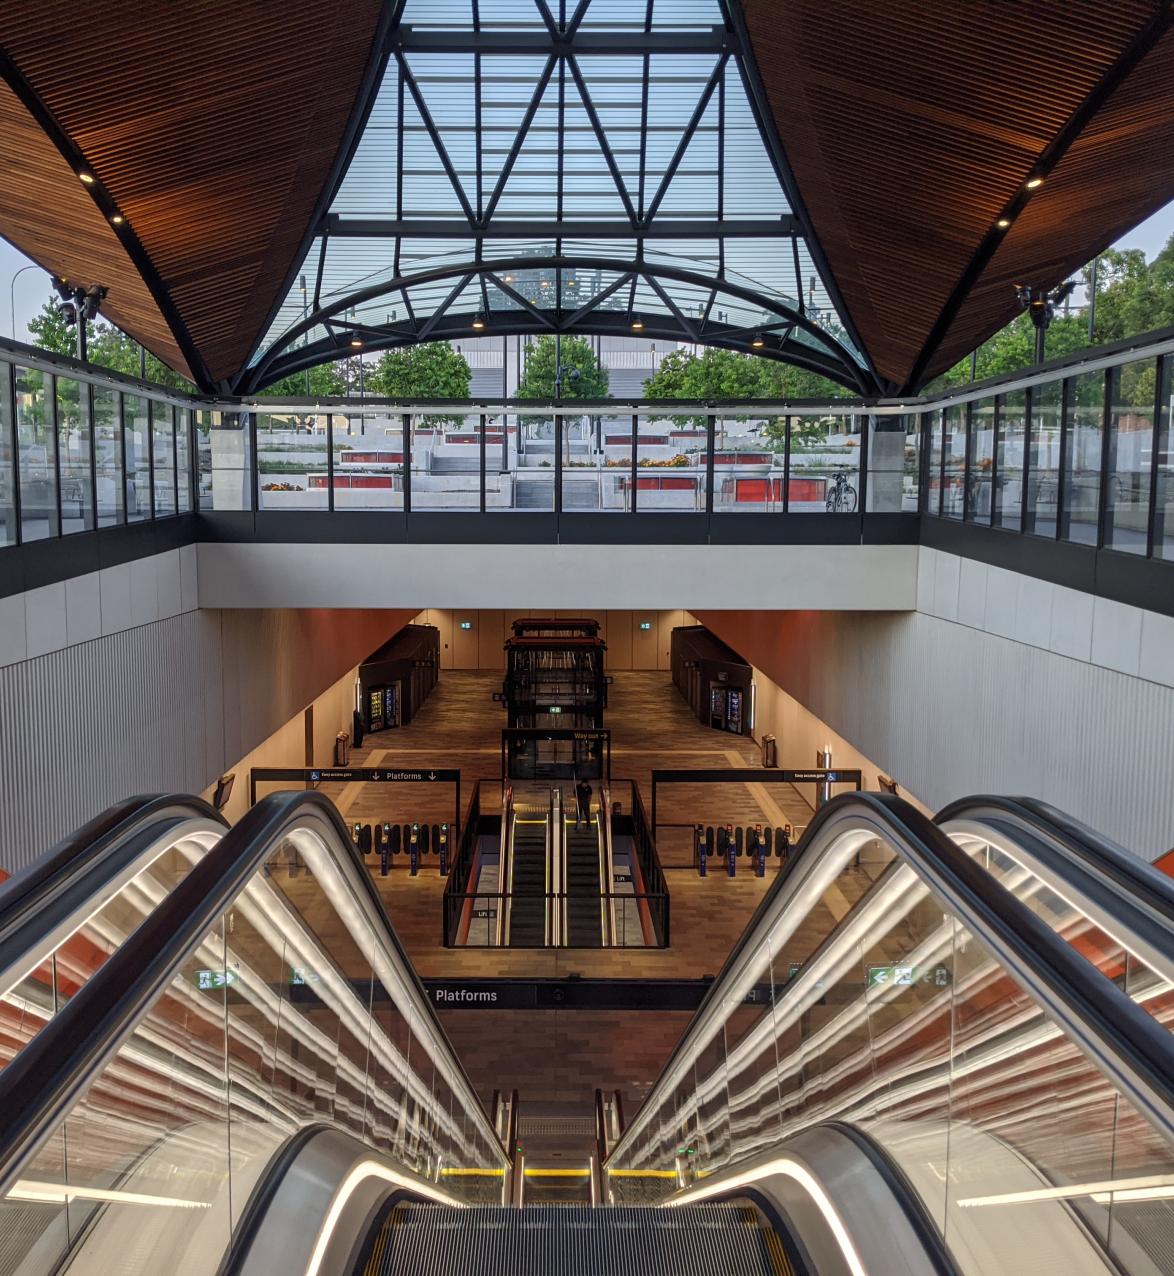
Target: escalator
(529,877)
(903,1067)
(586,925)
(710,1240)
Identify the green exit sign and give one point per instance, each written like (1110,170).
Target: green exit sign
(646,624)
(466,624)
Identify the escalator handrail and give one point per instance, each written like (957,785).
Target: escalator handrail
(48,1076)
(37,900)
(607,876)
(1139,879)
(505,867)
(1122,1038)
(28,890)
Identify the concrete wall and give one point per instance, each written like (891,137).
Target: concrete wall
(856,577)
(998,683)
(482,646)
(118,685)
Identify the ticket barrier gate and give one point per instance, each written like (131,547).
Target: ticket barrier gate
(733,843)
(387,840)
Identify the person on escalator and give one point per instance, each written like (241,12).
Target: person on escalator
(583,796)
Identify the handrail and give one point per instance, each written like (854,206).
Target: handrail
(556,872)
(1119,1036)
(505,868)
(1124,895)
(39,900)
(1141,880)
(54,1069)
(607,868)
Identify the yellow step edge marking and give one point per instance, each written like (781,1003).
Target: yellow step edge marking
(455,1170)
(643,1174)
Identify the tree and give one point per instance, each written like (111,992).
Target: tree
(320,382)
(106,346)
(538,378)
(433,370)
(722,375)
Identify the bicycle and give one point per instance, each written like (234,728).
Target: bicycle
(841,496)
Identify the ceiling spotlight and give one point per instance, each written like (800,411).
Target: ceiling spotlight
(544,284)
(479,320)
(637,323)
(758,341)
(117,219)
(356,341)
(87,179)
(1034,183)
(1003,223)
(509,279)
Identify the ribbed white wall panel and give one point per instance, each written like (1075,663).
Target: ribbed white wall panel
(161,707)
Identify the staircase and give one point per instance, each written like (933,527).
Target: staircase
(701,1240)
(528,906)
(583,886)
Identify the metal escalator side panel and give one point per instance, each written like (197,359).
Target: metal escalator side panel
(267,993)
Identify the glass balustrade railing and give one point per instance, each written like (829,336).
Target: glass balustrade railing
(63,918)
(268,997)
(888,985)
(1112,908)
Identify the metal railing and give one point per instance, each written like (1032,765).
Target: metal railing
(1076,450)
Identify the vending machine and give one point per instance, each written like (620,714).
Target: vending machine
(383,707)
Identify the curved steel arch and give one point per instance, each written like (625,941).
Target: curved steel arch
(829,358)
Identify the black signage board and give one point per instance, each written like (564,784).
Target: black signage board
(360,775)
(751,775)
(574,994)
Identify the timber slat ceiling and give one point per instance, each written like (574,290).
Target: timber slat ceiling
(48,214)
(214,127)
(911,126)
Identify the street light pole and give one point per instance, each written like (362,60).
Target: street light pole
(12,294)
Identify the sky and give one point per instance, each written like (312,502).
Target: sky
(21,296)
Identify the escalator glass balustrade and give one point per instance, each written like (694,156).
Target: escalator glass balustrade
(889,988)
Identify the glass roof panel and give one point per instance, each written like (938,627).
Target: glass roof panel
(503,142)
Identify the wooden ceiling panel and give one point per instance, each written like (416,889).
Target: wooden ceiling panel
(48,214)
(1117,172)
(214,127)
(909,128)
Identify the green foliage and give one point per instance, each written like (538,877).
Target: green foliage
(317,383)
(538,378)
(433,370)
(106,346)
(1133,297)
(721,375)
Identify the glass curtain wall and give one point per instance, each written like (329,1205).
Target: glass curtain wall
(74,450)
(183,459)
(954,462)
(980,480)
(108,455)
(824,464)
(36,442)
(1132,394)
(137,453)
(1084,443)
(933,489)
(1012,443)
(7,460)
(1164,464)
(163,457)
(894,453)
(1043,474)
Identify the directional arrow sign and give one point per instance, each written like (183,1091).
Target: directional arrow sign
(879,976)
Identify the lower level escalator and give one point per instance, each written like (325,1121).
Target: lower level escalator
(583,886)
(709,1240)
(529,883)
